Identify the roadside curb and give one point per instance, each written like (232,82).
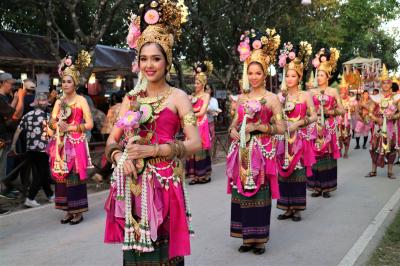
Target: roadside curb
(366,244)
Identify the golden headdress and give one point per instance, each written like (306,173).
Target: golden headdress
(384,74)
(258,47)
(326,60)
(73,66)
(158,21)
(343,83)
(202,70)
(295,58)
(395,79)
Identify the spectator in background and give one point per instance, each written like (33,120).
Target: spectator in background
(34,126)
(24,172)
(10,112)
(111,119)
(212,112)
(375,92)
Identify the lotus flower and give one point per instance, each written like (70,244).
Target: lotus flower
(129,121)
(252,107)
(316,62)
(133,35)
(244,50)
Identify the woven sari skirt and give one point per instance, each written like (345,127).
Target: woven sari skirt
(198,166)
(158,257)
(250,216)
(71,194)
(293,191)
(324,178)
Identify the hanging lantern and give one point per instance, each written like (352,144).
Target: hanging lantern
(56,81)
(118,81)
(24,76)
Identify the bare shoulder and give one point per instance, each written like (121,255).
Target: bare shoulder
(272,96)
(178,94)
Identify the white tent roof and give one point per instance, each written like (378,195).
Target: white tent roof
(361,60)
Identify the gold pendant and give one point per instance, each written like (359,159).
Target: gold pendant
(136,189)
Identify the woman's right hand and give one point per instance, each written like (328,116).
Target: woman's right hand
(129,168)
(234,134)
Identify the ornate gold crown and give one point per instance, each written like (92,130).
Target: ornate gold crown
(257,47)
(343,83)
(159,22)
(328,66)
(72,67)
(384,74)
(203,70)
(298,60)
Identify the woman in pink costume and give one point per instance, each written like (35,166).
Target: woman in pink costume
(68,149)
(251,161)
(147,208)
(198,166)
(328,106)
(364,123)
(295,153)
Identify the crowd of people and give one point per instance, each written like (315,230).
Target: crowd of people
(281,144)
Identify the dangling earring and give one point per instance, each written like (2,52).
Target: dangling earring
(265,84)
(168,77)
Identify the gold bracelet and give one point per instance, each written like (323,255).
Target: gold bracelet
(113,156)
(157,151)
(173,150)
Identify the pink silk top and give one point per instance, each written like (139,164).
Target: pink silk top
(329,144)
(166,207)
(74,150)
(202,124)
(263,160)
(301,150)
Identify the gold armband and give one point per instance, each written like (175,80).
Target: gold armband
(189,120)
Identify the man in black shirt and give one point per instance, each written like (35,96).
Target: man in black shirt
(9,115)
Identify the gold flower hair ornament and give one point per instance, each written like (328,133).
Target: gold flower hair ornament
(73,66)
(202,70)
(160,22)
(296,59)
(325,61)
(257,47)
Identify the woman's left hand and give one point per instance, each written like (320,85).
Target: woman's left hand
(138,151)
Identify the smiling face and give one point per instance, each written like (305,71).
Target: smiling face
(68,85)
(292,78)
(152,62)
(386,85)
(322,78)
(256,75)
(198,86)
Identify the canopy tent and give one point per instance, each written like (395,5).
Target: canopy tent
(19,50)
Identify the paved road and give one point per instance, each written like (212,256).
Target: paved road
(328,230)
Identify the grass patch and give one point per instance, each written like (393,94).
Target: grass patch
(388,250)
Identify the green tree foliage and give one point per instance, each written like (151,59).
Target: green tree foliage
(214,26)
